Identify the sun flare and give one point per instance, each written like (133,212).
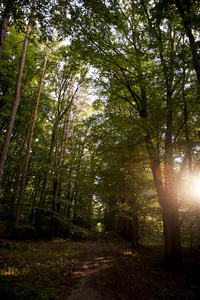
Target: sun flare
(195,187)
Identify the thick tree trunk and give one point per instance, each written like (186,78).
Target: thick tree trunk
(167,197)
(197,211)
(129,229)
(171,226)
(15,105)
(166,183)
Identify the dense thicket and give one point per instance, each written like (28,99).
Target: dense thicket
(116,136)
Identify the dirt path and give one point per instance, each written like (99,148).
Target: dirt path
(100,276)
(113,271)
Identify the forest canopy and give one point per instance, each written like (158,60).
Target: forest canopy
(99,119)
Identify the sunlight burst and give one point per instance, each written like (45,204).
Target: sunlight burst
(195,187)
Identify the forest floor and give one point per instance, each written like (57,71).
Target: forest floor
(114,271)
(93,269)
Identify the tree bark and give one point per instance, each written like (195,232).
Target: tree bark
(166,185)
(17,177)
(4,25)
(42,198)
(171,226)
(22,188)
(197,211)
(134,225)
(167,197)
(69,185)
(52,224)
(59,162)
(55,193)
(186,18)
(15,104)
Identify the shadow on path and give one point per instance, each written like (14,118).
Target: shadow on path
(100,276)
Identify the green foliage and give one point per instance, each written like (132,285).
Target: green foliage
(96,155)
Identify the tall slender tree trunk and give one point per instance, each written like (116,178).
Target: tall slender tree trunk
(15,104)
(44,186)
(65,143)
(63,89)
(69,185)
(42,198)
(60,163)
(55,193)
(57,187)
(69,193)
(17,177)
(67,132)
(52,224)
(4,25)
(77,181)
(21,194)
(36,189)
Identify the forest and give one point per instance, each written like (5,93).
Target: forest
(100,121)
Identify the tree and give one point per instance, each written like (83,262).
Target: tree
(15,104)
(21,193)
(189,13)
(121,171)
(10,10)
(139,62)
(31,74)
(66,83)
(4,25)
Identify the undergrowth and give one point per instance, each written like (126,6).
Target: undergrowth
(35,270)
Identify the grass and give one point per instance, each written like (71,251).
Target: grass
(36,270)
